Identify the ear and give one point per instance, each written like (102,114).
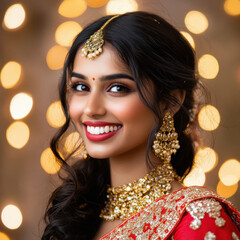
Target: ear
(179,96)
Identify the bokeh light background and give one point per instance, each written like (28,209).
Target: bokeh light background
(34,39)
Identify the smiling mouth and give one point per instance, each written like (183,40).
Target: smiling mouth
(102,129)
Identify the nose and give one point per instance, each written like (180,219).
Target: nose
(95,105)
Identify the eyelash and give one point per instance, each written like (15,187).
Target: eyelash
(75,85)
(125,88)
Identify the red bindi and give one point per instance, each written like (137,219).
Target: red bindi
(93,79)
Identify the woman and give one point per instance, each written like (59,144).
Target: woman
(128,88)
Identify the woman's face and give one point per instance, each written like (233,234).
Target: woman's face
(105,106)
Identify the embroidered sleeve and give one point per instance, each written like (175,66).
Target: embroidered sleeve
(206,219)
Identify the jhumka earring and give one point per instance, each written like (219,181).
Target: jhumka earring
(166,143)
(84,153)
(93,46)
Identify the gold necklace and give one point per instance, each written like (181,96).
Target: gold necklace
(124,201)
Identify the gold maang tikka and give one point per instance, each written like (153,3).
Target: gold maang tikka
(93,46)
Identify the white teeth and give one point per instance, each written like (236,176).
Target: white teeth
(96,130)
(101,130)
(106,129)
(88,128)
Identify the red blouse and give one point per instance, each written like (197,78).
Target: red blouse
(189,213)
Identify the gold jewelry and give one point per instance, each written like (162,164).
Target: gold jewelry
(84,153)
(166,141)
(93,46)
(126,200)
(187,130)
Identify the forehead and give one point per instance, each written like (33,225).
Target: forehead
(106,63)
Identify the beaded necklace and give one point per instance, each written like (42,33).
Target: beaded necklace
(124,201)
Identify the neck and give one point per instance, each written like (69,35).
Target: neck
(128,167)
(125,200)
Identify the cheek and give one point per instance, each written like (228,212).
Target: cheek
(134,112)
(75,109)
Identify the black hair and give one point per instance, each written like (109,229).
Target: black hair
(161,60)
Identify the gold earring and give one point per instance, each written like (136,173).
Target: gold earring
(166,142)
(84,153)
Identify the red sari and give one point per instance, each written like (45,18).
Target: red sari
(189,213)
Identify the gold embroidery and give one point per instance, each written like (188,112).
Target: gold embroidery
(158,220)
(209,236)
(197,210)
(234,236)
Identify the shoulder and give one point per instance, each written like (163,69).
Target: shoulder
(189,213)
(209,217)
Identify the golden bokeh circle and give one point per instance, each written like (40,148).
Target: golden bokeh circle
(17,134)
(189,38)
(229,172)
(195,178)
(72,8)
(4,236)
(55,116)
(73,140)
(96,3)
(208,66)
(232,7)
(66,32)
(226,191)
(10,74)
(11,216)
(121,6)
(14,16)
(209,118)
(206,158)
(49,162)
(21,105)
(56,57)
(196,22)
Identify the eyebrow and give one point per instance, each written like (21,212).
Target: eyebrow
(104,78)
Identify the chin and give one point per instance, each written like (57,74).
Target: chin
(98,155)
(100,151)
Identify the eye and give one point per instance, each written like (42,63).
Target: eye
(118,88)
(80,87)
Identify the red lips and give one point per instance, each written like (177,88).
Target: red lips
(100,124)
(99,137)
